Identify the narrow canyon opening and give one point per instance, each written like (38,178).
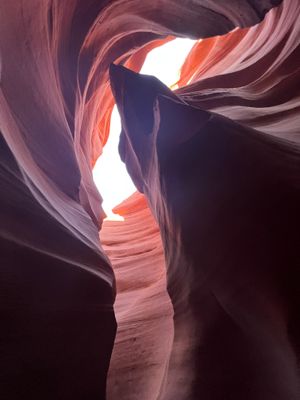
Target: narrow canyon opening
(109,173)
(143,307)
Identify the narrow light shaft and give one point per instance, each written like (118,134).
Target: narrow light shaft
(110,174)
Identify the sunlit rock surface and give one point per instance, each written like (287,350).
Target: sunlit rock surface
(143,308)
(57,285)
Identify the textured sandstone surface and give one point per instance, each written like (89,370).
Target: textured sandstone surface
(57,284)
(143,308)
(226,200)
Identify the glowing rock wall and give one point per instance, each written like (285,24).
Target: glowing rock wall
(143,308)
(57,285)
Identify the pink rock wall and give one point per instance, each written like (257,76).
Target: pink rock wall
(57,283)
(226,200)
(143,308)
(225,197)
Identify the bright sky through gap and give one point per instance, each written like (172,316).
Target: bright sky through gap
(110,174)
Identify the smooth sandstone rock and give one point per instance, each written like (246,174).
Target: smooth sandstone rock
(57,284)
(143,308)
(226,200)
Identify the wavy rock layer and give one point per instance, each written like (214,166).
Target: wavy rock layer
(250,75)
(55,104)
(226,199)
(143,309)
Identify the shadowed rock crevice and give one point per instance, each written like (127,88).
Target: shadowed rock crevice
(226,200)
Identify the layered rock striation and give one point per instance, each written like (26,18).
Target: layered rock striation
(226,198)
(229,244)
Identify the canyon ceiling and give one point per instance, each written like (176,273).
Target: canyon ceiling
(195,295)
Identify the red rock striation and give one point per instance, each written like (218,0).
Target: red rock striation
(143,309)
(232,272)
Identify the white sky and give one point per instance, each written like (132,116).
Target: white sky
(110,174)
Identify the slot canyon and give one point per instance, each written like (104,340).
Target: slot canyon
(194,295)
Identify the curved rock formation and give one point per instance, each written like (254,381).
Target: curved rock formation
(143,309)
(223,196)
(57,284)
